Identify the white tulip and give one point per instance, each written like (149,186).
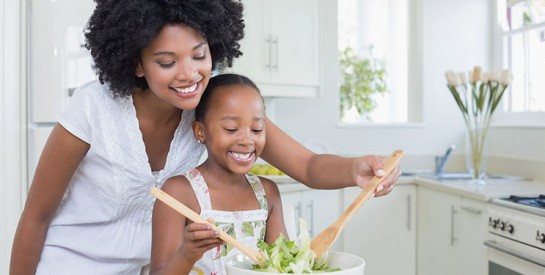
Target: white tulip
(494,75)
(506,77)
(476,74)
(462,77)
(451,79)
(485,77)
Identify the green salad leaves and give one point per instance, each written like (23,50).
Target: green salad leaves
(284,256)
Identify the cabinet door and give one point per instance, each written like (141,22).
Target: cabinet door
(451,233)
(471,232)
(321,208)
(295,199)
(280,47)
(436,232)
(294,30)
(255,46)
(58,63)
(383,231)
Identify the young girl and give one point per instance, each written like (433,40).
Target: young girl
(88,209)
(230,122)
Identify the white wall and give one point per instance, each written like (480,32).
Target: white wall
(455,35)
(12,126)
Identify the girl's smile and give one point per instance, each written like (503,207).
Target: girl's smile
(243,157)
(233,128)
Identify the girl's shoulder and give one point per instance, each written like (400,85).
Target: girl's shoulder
(178,187)
(269,186)
(176,183)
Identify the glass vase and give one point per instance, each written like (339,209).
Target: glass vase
(477,153)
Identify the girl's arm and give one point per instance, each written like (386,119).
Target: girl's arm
(275,222)
(322,171)
(176,246)
(59,159)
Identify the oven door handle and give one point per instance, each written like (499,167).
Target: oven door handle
(514,253)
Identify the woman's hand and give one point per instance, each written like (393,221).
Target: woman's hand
(323,171)
(197,239)
(368,166)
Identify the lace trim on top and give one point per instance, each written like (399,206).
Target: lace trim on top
(183,154)
(246,226)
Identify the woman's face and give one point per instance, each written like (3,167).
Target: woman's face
(177,66)
(234,127)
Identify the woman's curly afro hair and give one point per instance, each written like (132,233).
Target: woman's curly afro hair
(119,30)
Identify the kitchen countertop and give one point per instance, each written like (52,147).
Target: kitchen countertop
(495,188)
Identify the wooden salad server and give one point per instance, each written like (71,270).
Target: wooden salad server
(254,255)
(321,243)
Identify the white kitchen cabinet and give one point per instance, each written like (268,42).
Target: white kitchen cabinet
(451,233)
(383,231)
(281,46)
(319,208)
(58,62)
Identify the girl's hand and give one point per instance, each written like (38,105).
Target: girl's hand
(369,166)
(197,239)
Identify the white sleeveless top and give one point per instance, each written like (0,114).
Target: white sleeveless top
(246,226)
(103,224)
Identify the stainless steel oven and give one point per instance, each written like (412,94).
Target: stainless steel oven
(516,236)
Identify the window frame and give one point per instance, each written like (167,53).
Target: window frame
(503,118)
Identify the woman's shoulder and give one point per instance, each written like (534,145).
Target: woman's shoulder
(94,90)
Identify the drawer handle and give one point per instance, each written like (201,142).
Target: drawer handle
(472,210)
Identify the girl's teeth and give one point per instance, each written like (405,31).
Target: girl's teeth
(186,90)
(241,156)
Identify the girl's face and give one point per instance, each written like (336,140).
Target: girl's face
(177,66)
(233,128)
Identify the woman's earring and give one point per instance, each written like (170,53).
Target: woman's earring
(199,141)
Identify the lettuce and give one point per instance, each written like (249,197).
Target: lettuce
(284,256)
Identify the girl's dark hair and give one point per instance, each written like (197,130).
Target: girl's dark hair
(119,30)
(219,81)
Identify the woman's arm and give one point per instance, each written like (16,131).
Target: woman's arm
(59,159)
(322,171)
(176,246)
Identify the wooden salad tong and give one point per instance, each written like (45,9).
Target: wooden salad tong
(321,243)
(254,255)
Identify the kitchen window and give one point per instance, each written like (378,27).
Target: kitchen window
(522,40)
(380,34)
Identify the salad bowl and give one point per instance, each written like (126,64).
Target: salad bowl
(348,263)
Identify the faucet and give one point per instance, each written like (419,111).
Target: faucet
(441,161)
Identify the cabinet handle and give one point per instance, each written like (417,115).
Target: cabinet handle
(472,210)
(310,206)
(275,44)
(298,209)
(269,55)
(408,212)
(453,212)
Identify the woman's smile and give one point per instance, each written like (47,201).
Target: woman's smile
(188,91)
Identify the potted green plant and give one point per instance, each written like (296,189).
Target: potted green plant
(361,79)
